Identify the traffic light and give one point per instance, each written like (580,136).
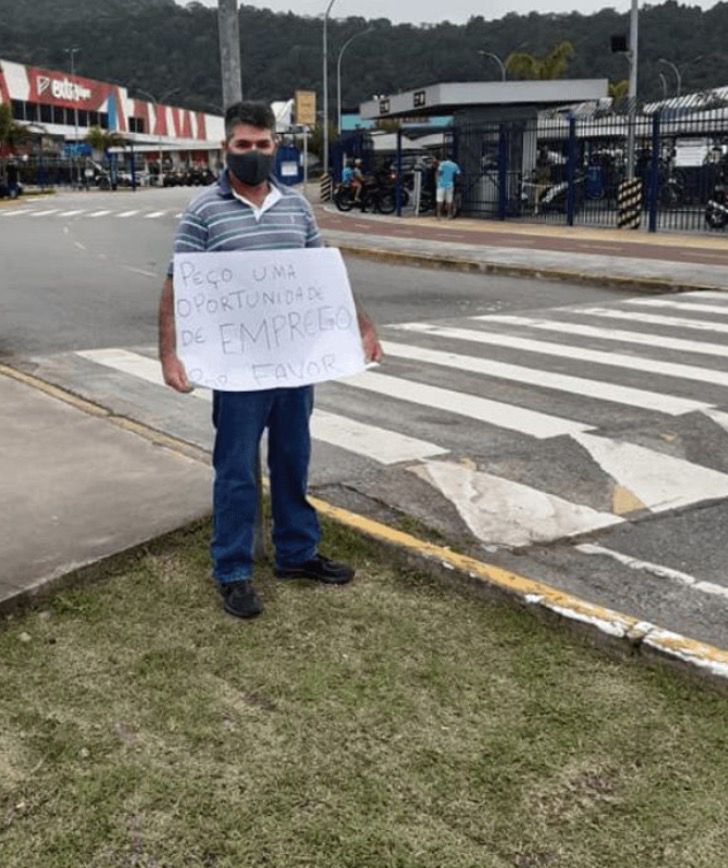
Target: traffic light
(619,43)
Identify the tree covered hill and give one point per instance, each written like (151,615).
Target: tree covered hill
(159,45)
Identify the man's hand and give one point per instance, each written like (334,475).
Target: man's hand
(370,341)
(174,373)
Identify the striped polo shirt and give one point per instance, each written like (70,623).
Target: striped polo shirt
(216,220)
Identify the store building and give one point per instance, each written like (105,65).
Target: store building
(59,109)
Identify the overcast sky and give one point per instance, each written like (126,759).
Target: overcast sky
(457,11)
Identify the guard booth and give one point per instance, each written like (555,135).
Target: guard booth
(494,134)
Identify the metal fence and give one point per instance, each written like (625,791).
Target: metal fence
(569,169)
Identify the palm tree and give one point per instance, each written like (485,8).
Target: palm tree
(521,64)
(618,90)
(101,140)
(12,134)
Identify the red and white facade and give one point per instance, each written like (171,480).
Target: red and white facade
(63,107)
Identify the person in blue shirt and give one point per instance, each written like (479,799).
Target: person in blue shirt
(353,176)
(447,171)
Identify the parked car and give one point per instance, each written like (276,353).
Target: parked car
(141,177)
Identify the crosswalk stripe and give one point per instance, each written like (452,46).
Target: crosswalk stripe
(14,213)
(718,417)
(154,214)
(654,569)
(608,334)
(45,213)
(719,295)
(653,480)
(500,415)
(508,513)
(597,389)
(617,360)
(378,444)
(179,214)
(384,446)
(72,213)
(127,213)
(651,319)
(660,481)
(98,213)
(714,309)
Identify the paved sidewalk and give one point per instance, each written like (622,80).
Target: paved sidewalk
(603,257)
(76,487)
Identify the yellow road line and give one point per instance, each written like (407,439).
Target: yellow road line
(664,643)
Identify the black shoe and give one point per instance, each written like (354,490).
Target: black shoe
(319,568)
(240,599)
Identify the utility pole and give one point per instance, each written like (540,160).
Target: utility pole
(326,86)
(632,93)
(72,52)
(229,31)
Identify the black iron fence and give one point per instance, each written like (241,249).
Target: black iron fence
(570,169)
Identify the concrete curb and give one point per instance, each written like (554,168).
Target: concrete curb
(625,632)
(473,266)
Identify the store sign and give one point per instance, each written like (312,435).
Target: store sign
(63,88)
(420,99)
(306,108)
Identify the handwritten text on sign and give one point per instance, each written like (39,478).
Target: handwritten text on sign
(265,319)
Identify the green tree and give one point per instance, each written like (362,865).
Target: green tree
(101,140)
(12,135)
(316,141)
(553,65)
(618,91)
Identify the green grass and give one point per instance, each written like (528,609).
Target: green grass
(394,722)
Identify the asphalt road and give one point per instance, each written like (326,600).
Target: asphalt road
(79,281)
(573,434)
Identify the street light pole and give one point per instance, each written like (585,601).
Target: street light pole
(326,87)
(632,93)
(72,53)
(497,59)
(675,69)
(338,73)
(663,82)
(229,35)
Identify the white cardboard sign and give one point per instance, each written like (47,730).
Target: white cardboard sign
(265,319)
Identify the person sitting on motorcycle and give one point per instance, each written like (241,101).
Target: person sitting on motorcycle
(357,180)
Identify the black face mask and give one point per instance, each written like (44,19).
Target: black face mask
(251,168)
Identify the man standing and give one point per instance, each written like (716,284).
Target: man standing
(447,171)
(247,210)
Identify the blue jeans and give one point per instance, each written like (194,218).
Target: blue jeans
(239,419)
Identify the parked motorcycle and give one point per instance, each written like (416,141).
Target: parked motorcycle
(716,211)
(374,195)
